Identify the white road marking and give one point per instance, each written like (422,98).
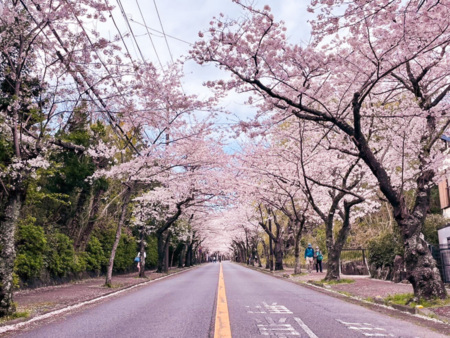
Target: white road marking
(279,329)
(305,328)
(364,327)
(258,310)
(277,309)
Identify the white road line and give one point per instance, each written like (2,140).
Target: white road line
(305,328)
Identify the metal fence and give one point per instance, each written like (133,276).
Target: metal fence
(354,262)
(442,256)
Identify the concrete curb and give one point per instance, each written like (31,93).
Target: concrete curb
(16,326)
(416,312)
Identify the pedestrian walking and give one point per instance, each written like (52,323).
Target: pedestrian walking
(138,260)
(318,257)
(309,257)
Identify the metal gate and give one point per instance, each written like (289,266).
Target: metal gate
(442,257)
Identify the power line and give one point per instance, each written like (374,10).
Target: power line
(149,35)
(162,34)
(84,77)
(119,2)
(120,34)
(162,28)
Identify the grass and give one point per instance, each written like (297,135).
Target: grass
(299,274)
(348,294)
(15,315)
(340,281)
(408,299)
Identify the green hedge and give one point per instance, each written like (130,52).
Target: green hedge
(383,249)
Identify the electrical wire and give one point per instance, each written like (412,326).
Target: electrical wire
(162,34)
(162,28)
(119,2)
(149,35)
(90,88)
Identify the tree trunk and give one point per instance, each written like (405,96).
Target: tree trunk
(172,257)
(257,255)
(192,254)
(270,246)
(266,254)
(420,266)
(278,252)
(8,223)
(142,255)
(182,256)
(83,238)
(334,253)
(298,236)
(161,252)
(77,223)
(421,269)
(166,253)
(188,255)
(297,268)
(126,200)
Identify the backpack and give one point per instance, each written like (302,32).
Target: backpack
(319,256)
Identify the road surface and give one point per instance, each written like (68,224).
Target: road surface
(251,304)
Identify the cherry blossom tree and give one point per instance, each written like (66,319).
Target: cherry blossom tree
(33,85)
(368,64)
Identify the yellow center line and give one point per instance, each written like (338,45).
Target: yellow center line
(222,327)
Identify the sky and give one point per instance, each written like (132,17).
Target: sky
(181,21)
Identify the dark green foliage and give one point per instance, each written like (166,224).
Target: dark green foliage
(96,257)
(6,152)
(152,252)
(61,255)
(435,205)
(31,248)
(433,222)
(126,251)
(383,249)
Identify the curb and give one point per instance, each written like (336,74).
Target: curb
(422,313)
(16,326)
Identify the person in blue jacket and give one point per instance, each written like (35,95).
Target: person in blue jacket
(309,257)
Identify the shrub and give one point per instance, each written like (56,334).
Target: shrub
(126,251)
(61,255)
(95,256)
(383,249)
(31,247)
(151,261)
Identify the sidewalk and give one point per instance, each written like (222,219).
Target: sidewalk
(366,289)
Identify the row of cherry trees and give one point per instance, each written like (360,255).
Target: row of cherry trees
(68,93)
(351,118)
(370,89)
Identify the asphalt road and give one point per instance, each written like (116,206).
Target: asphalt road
(259,306)
(262,305)
(178,306)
